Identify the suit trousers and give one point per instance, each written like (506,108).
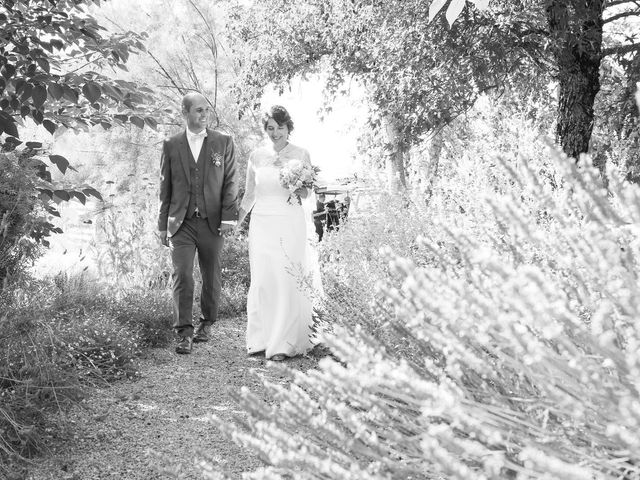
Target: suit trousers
(195,235)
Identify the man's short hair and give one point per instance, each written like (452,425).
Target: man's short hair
(187,100)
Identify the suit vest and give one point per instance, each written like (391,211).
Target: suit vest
(196,193)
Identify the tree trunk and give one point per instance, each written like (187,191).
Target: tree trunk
(432,171)
(395,163)
(576,28)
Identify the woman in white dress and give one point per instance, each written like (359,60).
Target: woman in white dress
(278,307)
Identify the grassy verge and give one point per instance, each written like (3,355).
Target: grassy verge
(65,333)
(60,336)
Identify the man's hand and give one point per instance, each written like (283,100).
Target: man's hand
(162,234)
(226,228)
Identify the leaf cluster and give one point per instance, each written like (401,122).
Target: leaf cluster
(54,59)
(51,55)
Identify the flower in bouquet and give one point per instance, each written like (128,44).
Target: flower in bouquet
(296,174)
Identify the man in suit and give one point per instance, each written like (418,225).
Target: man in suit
(198,203)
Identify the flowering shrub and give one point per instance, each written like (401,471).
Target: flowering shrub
(495,336)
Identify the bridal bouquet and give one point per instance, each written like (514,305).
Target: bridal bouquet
(296,174)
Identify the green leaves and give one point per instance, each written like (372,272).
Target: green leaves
(8,125)
(90,191)
(70,94)
(61,162)
(151,122)
(61,195)
(92,91)
(39,96)
(137,121)
(7,71)
(50,126)
(44,64)
(56,91)
(114,92)
(58,195)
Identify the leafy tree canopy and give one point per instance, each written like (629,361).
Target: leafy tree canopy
(418,71)
(421,67)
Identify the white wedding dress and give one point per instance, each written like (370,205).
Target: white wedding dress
(279,303)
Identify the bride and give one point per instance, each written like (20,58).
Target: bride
(280,250)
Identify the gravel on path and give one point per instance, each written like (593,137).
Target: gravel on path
(153,427)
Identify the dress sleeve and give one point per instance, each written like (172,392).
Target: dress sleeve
(306,157)
(249,198)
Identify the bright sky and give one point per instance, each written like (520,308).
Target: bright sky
(331,141)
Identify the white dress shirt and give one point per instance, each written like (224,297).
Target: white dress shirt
(195,141)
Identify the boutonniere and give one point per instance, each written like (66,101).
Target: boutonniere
(216,158)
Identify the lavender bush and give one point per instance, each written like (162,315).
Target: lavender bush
(494,336)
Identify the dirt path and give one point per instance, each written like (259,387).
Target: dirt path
(113,431)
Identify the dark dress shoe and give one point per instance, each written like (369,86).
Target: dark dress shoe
(184,345)
(205,321)
(201,334)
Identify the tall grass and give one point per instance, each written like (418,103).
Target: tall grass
(495,335)
(61,336)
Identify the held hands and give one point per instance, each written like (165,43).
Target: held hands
(226,228)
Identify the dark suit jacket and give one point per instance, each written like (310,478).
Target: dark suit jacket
(220,183)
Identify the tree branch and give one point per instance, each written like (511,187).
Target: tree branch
(615,3)
(621,49)
(628,13)
(166,74)
(213,47)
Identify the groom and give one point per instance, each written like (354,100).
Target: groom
(198,203)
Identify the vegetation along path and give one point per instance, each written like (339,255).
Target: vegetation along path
(152,427)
